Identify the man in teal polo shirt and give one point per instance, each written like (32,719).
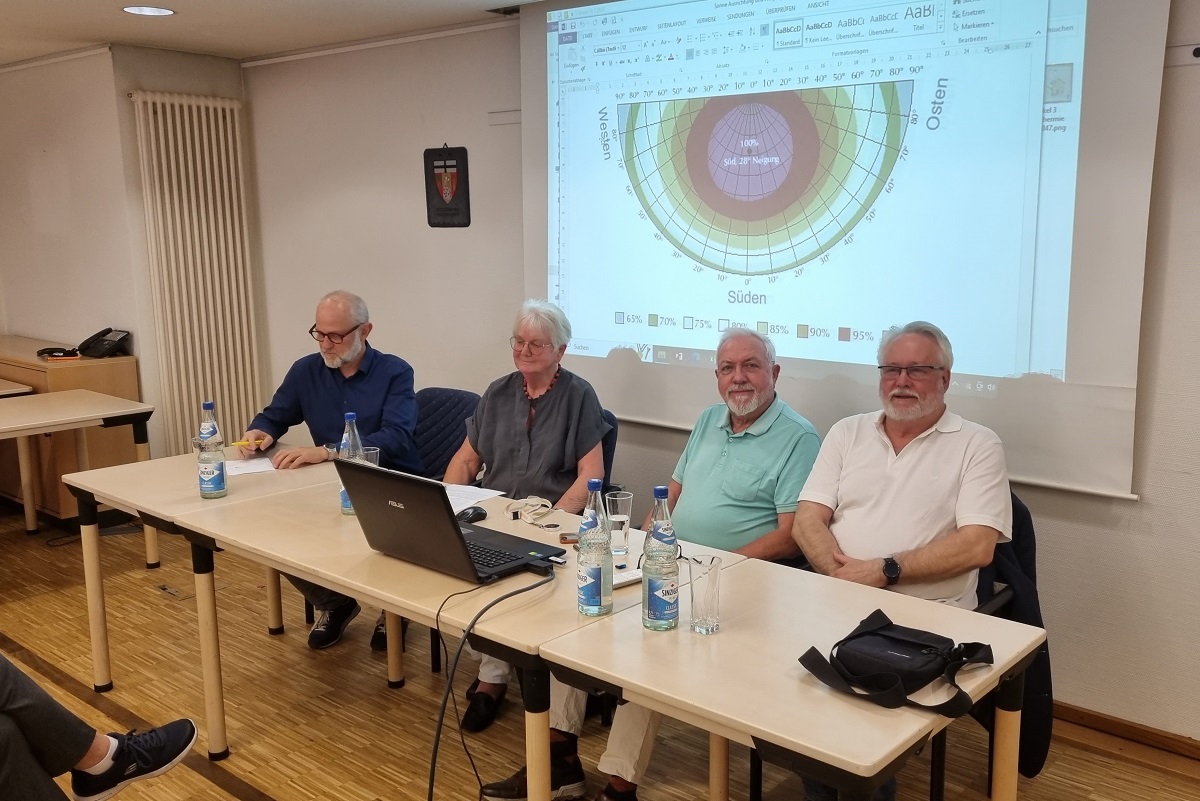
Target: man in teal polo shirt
(736,484)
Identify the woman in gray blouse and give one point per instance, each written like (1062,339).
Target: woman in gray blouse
(535,432)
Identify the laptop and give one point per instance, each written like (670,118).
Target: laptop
(410,518)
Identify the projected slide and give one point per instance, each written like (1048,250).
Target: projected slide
(817,172)
(763,183)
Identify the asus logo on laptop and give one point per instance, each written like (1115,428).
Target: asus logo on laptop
(397,504)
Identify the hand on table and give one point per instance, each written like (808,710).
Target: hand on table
(298,457)
(257,441)
(860,571)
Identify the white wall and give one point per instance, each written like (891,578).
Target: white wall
(338,145)
(73,256)
(64,245)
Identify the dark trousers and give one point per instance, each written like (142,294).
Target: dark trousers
(322,599)
(39,738)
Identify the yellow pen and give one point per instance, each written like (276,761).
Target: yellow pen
(247,442)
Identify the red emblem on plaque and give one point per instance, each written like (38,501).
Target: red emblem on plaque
(446,177)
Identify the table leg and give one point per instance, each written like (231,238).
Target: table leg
(93,579)
(274,603)
(150,534)
(25,463)
(210,651)
(718,768)
(536,696)
(81,449)
(1007,736)
(395,651)
(141,445)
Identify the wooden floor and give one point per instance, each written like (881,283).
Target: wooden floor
(308,725)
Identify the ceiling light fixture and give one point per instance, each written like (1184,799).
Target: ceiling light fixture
(148,11)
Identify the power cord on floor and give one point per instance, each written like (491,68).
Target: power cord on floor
(452,669)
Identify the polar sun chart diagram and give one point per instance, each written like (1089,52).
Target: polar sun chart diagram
(762,183)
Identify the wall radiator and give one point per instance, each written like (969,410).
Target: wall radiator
(196,229)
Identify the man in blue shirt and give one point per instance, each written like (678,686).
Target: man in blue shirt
(346,375)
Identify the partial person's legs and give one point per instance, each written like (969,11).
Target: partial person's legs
(56,738)
(630,744)
(567,780)
(40,739)
(486,693)
(334,612)
(21,775)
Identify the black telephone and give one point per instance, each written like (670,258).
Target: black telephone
(107,342)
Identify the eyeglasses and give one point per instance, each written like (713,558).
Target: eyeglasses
(916,372)
(336,339)
(534,346)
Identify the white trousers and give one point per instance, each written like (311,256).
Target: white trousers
(630,741)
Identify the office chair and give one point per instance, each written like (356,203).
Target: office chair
(608,447)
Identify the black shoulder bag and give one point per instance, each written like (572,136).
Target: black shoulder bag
(890,662)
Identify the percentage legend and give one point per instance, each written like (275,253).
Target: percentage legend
(704,323)
(666,321)
(864,336)
(779,329)
(633,318)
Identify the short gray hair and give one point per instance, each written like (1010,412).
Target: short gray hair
(546,316)
(353,303)
(765,341)
(919,327)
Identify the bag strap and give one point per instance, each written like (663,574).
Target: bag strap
(889,690)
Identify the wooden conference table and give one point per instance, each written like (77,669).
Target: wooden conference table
(303,533)
(773,704)
(10,388)
(27,416)
(159,491)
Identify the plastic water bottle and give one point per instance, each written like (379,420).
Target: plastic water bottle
(210,454)
(209,430)
(660,570)
(351,448)
(595,555)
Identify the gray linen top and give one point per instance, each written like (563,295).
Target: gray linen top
(544,461)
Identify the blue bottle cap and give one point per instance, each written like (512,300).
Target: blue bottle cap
(595,484)
(208,405)
(351,416)
(660,493)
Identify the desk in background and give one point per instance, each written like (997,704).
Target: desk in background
(9,389)
(54,455)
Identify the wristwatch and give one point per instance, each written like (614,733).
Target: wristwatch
(891,570)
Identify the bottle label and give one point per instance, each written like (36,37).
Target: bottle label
(207,429)
(662,599)
(663,532)
(589,586)
(212,476)
(590,521)
(346,505)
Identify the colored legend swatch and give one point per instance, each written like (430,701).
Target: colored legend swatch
(763,328)
(802,331)
(653,320)
(619,318)
(843,335)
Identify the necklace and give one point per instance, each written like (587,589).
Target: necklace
(533,401)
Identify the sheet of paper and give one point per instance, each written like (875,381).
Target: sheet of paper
(240,467)
(463,496)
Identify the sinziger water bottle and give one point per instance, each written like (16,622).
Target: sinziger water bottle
(660,570)
(209,430)
(351,448)
(210,454)
(595,555)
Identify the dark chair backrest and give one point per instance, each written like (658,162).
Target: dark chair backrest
(442,426)
(608,447)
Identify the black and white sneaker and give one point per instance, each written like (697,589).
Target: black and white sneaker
(331,623)
(567,781)
(138,756)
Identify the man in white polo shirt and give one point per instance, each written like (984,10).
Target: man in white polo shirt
(912,498)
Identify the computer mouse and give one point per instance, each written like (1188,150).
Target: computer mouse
(472,514)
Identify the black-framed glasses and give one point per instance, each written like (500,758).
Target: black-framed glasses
(336,339)
(916,372)
(519,345)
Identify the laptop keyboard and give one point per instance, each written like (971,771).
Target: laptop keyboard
(487,557)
